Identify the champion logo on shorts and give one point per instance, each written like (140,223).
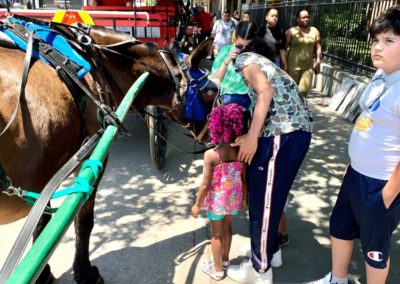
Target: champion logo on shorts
(375,255)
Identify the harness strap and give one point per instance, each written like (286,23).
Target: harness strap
(182,65)
(169,67)
(28,57)
(172,144)
(38,208)
(4,180)
(56,60)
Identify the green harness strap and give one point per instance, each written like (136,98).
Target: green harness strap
(79,185)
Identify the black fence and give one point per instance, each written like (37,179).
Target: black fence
(343,26)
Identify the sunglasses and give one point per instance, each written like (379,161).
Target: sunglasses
(240,46)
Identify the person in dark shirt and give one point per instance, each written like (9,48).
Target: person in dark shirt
(274,37)
(205,21)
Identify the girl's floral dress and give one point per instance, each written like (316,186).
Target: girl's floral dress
(225,194)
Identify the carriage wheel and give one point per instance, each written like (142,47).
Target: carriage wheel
(158,145)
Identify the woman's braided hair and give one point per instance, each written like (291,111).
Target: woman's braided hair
(225,123)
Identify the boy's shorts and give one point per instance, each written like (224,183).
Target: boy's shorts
(216,217)
(360,212)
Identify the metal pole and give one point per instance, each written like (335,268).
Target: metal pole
(36,258)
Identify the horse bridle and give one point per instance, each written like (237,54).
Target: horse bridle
(184,70)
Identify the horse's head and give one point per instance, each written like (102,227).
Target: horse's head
(202,90)
(173,81)
(207,86)
(125,59)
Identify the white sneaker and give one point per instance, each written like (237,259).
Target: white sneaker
(245,273)
(325,280)
(246,250)
(276,258)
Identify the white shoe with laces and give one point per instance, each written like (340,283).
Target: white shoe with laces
(276,258)
(245,273)
(327,280)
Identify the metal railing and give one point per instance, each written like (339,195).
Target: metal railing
(343,26)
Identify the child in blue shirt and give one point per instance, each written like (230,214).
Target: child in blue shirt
(368,204)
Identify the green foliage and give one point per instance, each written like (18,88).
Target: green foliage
(348,49)
(342,22)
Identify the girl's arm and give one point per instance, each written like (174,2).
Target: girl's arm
(249,141)
(205,184)
(392,187)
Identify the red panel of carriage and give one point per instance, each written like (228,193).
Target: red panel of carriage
(148,24)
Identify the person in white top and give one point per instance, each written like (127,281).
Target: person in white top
(222,31)
(368,204)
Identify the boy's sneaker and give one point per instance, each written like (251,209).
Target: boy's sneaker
(208,268)
(245,273)
(283,240)
(327,280)
(276,258)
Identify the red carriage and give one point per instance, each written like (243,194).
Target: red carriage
(154,23)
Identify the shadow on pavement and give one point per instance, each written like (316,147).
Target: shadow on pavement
(144,232)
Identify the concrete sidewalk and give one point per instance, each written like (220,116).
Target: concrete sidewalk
(144,232)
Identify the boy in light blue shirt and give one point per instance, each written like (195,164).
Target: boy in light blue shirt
(368,204)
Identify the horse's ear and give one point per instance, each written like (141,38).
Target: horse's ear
(199,53)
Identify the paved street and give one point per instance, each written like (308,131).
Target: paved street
(144,232)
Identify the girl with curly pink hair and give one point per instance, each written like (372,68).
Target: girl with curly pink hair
(223,191)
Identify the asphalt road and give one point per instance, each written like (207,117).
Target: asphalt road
(144,232)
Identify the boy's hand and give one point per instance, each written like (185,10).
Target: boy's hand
(195,211)
(388,196)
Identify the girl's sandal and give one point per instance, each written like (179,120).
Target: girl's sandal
(225,263)
(208,268)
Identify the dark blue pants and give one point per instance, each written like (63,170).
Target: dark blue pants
(270,177)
